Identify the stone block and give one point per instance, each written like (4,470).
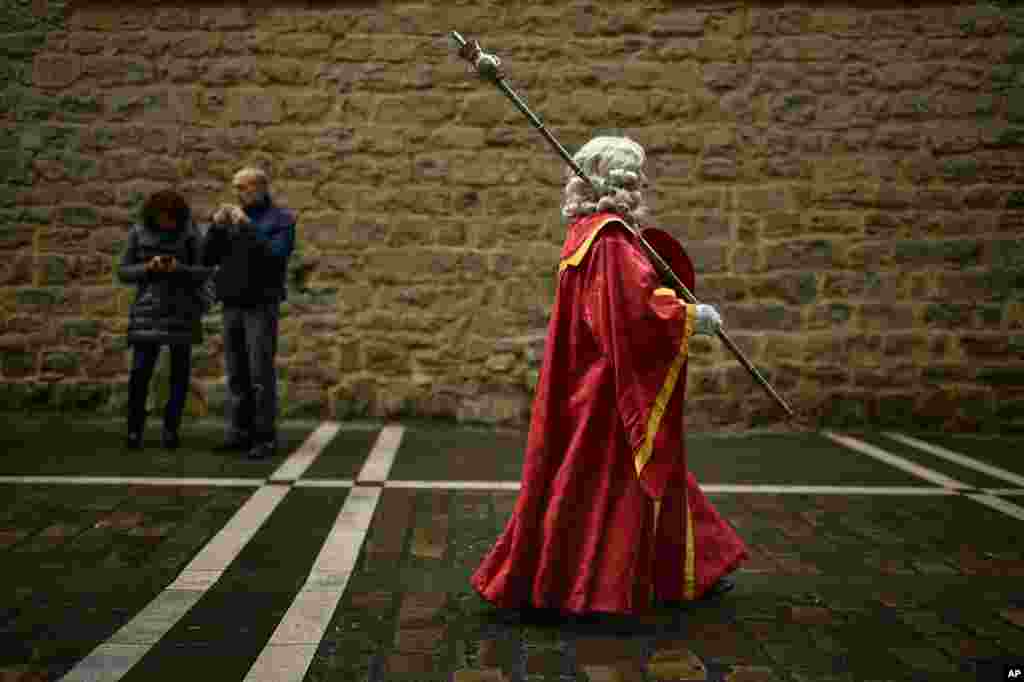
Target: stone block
(760,317)
(887,316)
(258,107)
(41,297)
(812,254)
(480,675)
(79,396)
(718,168)
(56,71)
(83,328)
(67,363)
(793,288)
(17,364)
(676,665)
(308,107)
(1001,376)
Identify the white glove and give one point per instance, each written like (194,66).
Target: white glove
(708,320)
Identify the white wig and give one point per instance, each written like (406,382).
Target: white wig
(616,164)
(252,172)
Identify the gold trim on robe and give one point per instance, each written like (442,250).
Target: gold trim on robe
(689,567)
(654,545)
(577,257)
(643,454)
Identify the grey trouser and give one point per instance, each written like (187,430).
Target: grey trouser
(250,344)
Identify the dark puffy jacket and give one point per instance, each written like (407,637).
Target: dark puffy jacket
(252,260)
(167,307)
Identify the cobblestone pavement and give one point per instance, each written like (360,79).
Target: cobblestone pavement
(892,563)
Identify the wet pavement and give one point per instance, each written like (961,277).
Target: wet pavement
(863,567)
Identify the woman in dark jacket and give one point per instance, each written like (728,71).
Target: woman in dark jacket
(163,259)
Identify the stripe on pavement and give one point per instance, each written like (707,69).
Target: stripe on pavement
(291,648)
(895,461)
(957,458)
(300,460)
(324,483)
(111,660)
(378,464)
(1004,506)
(991,501)
(454,485)
(827,490)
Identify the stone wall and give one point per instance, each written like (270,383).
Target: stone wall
(847,178)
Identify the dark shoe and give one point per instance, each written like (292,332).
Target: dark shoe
(136,427)
(263,450)
(720,587)
(170,439)
(234,445)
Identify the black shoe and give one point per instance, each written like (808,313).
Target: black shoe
(234,445)
(170,439)
(721,586)
(136,426)
(263,450)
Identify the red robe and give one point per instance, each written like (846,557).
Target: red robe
(608,518)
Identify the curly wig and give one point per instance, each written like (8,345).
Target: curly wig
(166,201)
(616,163)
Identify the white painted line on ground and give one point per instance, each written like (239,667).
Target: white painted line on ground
(130,480)
(928,474)
(324,483)
(111,660)
(1004,506)
(378,464)
(895,461)
(300,460)
(153,622)
(827,490)
(723,488)
(107,662)
(710,488)
(288,654)
(957,458)
(455,485)
(228,543)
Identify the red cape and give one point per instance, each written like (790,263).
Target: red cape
(608,516)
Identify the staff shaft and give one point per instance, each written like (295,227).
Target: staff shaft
(471,52)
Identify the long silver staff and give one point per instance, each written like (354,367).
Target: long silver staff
(489,68)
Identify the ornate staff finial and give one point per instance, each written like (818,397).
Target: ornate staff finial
(487,65)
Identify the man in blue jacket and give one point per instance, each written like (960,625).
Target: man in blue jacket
(251,243)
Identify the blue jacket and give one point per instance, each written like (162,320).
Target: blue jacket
(253,259)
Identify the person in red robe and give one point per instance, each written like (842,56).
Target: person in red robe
(608,518)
